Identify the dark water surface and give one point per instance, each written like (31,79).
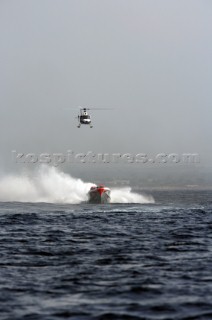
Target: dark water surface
(151,261)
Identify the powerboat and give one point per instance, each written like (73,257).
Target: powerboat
(99,194)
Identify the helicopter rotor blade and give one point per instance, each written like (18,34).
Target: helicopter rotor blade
(79,108)
(99,108)
(75,108)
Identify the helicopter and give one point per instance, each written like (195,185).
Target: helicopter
(85,118)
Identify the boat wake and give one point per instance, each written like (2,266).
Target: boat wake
(48,184)
(125,195)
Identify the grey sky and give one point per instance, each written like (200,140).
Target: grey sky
(149,59)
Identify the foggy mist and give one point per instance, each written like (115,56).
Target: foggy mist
(149,60)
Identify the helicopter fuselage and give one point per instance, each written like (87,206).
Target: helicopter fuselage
(84,119)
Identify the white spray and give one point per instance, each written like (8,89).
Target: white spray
(48,184)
